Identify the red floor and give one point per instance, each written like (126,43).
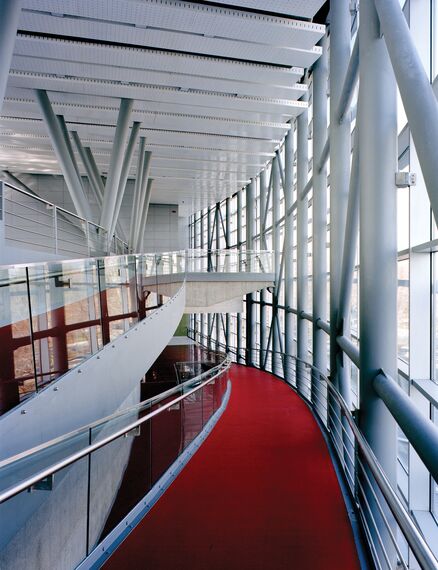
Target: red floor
(261,493)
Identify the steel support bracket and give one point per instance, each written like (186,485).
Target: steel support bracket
(405,179)
(45,484)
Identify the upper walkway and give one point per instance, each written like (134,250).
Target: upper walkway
(261,492)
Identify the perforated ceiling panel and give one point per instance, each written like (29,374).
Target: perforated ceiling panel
(297,8)
(214,87)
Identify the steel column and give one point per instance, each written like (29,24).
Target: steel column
(94,185)
(115,165)
(137,190)
(209,268)
(69,146)
(202,315)
(340,143)
(350,244)
(218,246)
(350,82)
(319,216)
(142,197)
(129,153)
(239,247)
(263,292)
(96,173)
(378,239)
(417,94)
(302,244)
(277,255)
(250,307)
(228,241)
(9,16)
(74,184)
(288,248)
(144,216)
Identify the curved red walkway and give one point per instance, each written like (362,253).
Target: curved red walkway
(261,493)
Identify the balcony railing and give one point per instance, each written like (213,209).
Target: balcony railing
(98,467)
(34,223)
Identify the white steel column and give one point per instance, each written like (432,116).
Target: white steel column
(416,91)
(340,151)
(202,245)
(142,197)
(94,185)
(137,189)
(217,247)
(116,162)
(250,307)
(144,216)
(319,213)
(74,183)
(288,251)
(378,238)
(277,256)
(132,142)
(263,292)
(9,15)
(239,247)
(302,245)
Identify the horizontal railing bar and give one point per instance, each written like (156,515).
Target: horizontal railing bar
(421,433)
(379,506)
(27,483)
(100,422)
(350,349)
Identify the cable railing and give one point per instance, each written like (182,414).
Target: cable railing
(35,223)
(108,467)
(230,261)
(392,534)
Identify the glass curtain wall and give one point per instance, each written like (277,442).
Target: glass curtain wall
(417,294)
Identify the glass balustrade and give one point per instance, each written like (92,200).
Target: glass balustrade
(101,472)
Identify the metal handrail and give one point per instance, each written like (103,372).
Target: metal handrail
(59,209)
(100,422)
(415,539)
(54,468)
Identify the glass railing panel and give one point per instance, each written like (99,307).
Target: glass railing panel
(65,316)
(117,283)
(208,402)
(21,468)
(42,519)
(98,240)
(17,372)
(147,288)
(166,437)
